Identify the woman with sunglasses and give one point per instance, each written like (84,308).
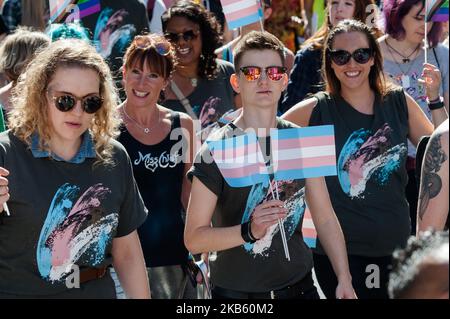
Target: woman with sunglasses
(159,142)
(74,205)
(200,85)
(372,121)
(404,56)
(306,77)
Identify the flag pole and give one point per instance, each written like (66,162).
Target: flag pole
(426,32)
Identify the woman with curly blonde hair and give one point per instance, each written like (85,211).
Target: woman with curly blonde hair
(74,206)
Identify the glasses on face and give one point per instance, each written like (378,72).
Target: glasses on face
(144,42)
(186,35)
(342,57)
(65,102)
(253,73)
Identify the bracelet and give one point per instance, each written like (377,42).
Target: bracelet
(246,233)
(436,104)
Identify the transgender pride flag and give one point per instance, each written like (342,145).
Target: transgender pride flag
(58,7)
(303,152)
(239,160)
(309,230)
(241,12)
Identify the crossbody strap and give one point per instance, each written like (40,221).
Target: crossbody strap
(183,100)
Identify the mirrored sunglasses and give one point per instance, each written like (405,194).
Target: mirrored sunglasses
(253,73)
(145,42)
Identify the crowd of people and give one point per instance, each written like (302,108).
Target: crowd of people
(111,185)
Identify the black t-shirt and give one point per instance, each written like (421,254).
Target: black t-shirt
(368,195)
(158,170)
(114,27)
(63,214)
(262,266)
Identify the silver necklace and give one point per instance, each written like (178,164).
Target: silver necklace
(145,129)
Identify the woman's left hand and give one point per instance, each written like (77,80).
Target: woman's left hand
(431,79)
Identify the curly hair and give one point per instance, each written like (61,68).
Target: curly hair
(30,112)
(210,30)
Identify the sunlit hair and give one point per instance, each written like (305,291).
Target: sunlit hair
(377,80)
(137,56)
(394,13)
(18,49)
(210,31)
(31,101)
(257,40)
(317,40)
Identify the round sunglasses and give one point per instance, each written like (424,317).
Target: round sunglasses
(145,42)
(342,57)
(65,102)
(253,73)
(186,35)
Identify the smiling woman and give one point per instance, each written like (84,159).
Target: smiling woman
(74,205)
(373,121)
(151,135)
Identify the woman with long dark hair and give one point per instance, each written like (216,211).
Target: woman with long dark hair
(372,121)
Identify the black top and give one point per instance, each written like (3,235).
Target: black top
(158,170)
(261,266)
(368,195)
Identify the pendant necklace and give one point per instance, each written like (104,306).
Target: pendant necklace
(145,129)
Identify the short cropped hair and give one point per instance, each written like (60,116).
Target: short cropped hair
(257,40)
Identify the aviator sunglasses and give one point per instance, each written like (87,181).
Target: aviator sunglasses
(66,102)
(253,73)
(145,42)
(186,35)
(342,57)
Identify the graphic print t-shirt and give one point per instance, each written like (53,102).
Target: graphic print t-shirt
(262,266)
(114,27)
(368,193)
(408,75)
(211,99)
(63,214)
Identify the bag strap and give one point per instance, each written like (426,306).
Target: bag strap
(183,100)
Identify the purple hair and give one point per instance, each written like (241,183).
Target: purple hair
(396,10)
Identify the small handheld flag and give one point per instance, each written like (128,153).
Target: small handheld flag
(303,152)
(239,13)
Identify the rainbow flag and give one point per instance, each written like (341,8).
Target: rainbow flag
(239,160)
(88,7)
(241,12)
(433,7)
(309,230)
(441,14)
(303,152)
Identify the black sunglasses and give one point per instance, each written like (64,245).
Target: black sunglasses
(186,35)
(342,57)
(66,102)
